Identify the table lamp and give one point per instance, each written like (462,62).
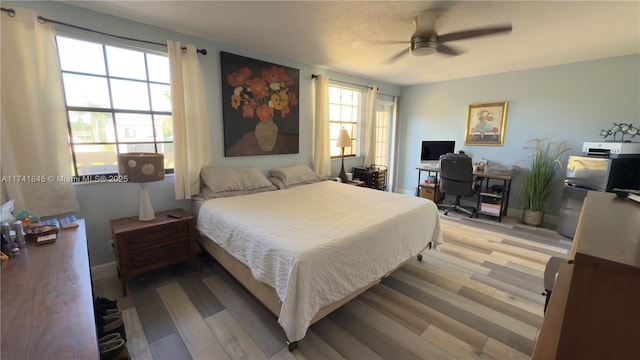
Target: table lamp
(344,140)
(142,168)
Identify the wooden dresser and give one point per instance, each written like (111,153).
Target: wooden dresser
(594,311)
(47,301)
(142,246)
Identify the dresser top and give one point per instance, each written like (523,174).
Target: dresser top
(47,302)
(609,228)
(132,223)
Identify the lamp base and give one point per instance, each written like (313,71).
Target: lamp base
(343,175)
(146,210)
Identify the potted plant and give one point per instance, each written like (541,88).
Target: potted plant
(544,162)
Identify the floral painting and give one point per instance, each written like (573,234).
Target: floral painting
(485,124)
(260,106)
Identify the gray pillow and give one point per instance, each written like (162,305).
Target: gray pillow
(277,182)
(222,182)
(207,194)
(296,175)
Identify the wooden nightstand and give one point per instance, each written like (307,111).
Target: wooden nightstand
(144,246)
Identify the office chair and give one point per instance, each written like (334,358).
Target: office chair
(550,273)
(456,178)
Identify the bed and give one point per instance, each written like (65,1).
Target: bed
(305,246)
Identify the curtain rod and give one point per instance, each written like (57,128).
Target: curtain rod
(9,11)
(43,20)
(315,76)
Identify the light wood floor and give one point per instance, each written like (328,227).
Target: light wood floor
(478,298)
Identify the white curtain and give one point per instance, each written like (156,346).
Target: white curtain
(393,149)
(36,160)
(191,138)
(369,126)
(321,153)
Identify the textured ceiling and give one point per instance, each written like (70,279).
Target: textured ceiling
(336,35)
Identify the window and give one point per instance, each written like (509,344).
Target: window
(384,113)
(345,111)
(118,100)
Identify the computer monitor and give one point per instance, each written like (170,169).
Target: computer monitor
(432,150)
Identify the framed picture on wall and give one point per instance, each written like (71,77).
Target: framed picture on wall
(260,113)
(486,124)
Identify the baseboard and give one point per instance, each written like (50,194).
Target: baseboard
(104,271)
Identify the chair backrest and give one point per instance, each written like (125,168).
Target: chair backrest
(456,174)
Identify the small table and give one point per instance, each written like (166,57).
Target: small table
(142,246)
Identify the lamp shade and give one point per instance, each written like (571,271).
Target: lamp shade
(344,139)
(141,167)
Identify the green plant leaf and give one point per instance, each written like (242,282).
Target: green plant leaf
(544,162)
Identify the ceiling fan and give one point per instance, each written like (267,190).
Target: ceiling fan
(426,41)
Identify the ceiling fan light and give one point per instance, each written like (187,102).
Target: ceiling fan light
(423,45)
(423,51)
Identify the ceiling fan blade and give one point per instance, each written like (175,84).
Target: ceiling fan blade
(361,43)
(397,56)
(468,34)
(447,50)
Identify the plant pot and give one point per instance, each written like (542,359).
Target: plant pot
(534,218)
(266,134)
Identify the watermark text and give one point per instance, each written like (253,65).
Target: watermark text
(42,179)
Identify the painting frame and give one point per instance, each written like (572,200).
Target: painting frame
(481,128)
(260,110)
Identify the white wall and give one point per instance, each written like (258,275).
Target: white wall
(569,103)
(100,203)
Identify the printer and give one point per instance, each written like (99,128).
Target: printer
(611,149)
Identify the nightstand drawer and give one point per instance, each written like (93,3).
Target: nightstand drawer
(151,237)
(164,254)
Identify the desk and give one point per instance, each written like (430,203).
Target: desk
(47,301)
(486,198)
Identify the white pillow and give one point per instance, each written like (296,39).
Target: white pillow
(226,181)
(294,175)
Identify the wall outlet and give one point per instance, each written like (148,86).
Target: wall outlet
(110,246)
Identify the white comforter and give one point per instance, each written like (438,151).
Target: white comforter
(317,243)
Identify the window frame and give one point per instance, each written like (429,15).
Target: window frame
(355,138)
(155,116)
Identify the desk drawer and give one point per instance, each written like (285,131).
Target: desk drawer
(431,192)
